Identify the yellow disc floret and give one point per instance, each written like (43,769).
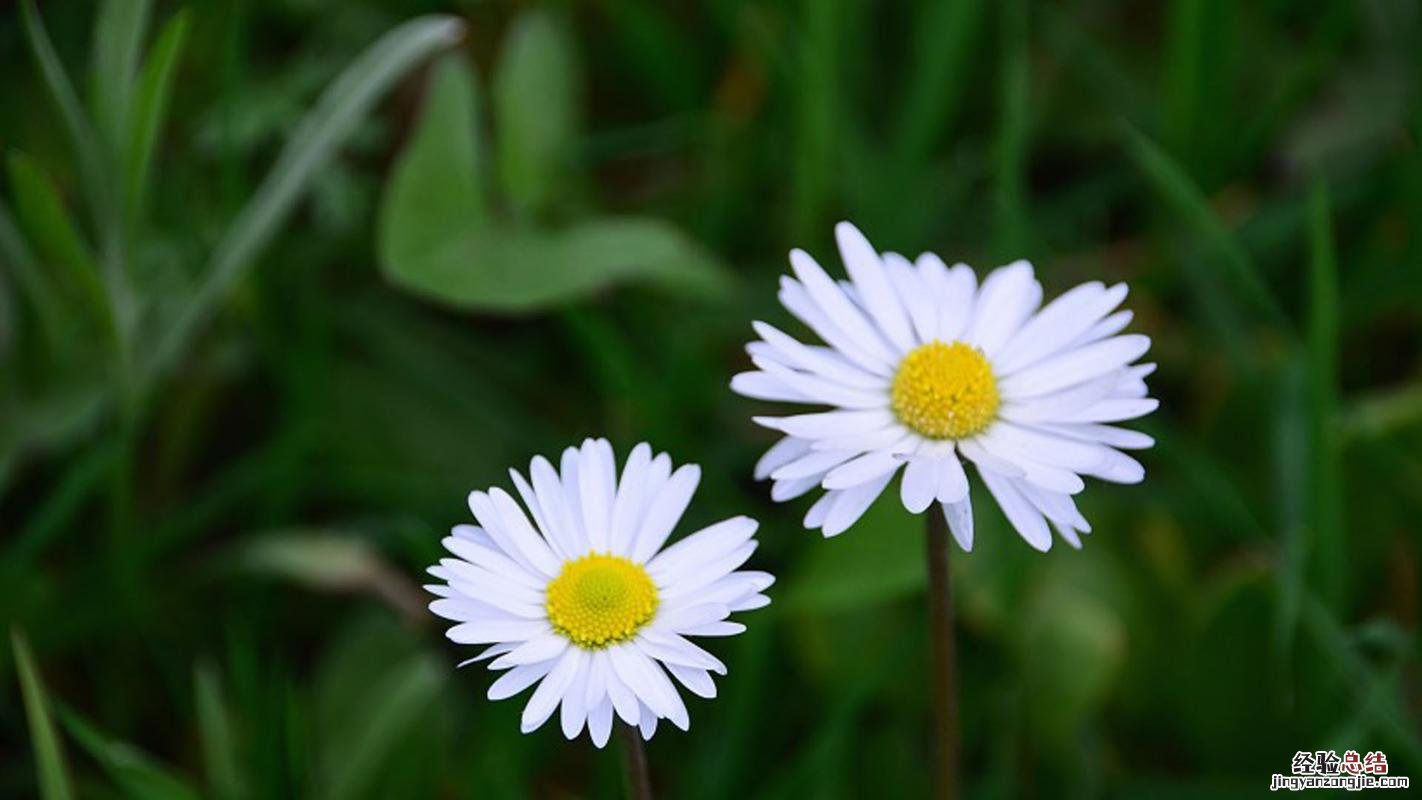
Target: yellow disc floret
(600,600)
(945,391)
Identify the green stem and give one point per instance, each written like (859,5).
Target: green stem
(945,661)
(637,777)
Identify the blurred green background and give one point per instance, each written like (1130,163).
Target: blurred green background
(274,297)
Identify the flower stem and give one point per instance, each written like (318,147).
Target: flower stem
(944,667)
(634,763)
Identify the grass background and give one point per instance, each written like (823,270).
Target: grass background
(231,436)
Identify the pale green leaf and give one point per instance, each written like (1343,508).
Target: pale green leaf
(514,270)
(535,101)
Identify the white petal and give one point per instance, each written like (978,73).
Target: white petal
(600,723)
(554,504)
(1008,297)
(628,506)
(489,631)
(765,386)
(797,301)
(792,488)
(851,505)
(833,302)
(698,681)
(952,482)
(824,362)
(1105,434)
(533,651)
(1022,514)
(818,512)
(597,482)
(1076,366)
(1058,324)
(914,294)
(957,292)
(960,521)
(1114,411)
(706,545)
(830,423)
(550,691)
(522,534)
(919,484)
(665,511)
(517,679)
(862,470)
(864,266)
(530,500)
(781,453)
(975,451)
(814,463)
(574,711)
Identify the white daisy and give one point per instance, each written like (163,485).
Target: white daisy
(584,601)
(924,365)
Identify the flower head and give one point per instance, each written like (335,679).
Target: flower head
(585,600)
(922,366)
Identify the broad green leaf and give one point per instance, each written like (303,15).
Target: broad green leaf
(335,117)
(516,270)
(49,753)
(53,232)
(535,103)
(150,107)
(219,753)
(136,774)
(435,188)
(118,41)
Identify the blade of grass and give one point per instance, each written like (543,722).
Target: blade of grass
(219,754)
(334,118)
(1010,220)
(155,86)
(16,257)
(945,37)
(1325,476)
(118,40)
(76,122)
(136,773)
(64,502)
(820,85)
(49,753)
(1183,197)
(398,702)
(44,217)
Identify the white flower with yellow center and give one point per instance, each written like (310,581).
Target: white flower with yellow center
(923,366)
(585,601)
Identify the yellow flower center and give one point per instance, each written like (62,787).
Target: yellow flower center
(599,600)
(945,391)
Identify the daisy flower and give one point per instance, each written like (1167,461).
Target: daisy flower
(922,367)
(585,600)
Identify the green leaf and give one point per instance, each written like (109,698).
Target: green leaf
(535,101)
(16,256)
(518,271)
(941,73)
(50,228)
(335,117)
(76,122)
(118,40)
(155,86)
(1325,478)
(393,708)
(219,753)
(435,187)
(1068,624)
(1183,197)
(136,773)
(49,753)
